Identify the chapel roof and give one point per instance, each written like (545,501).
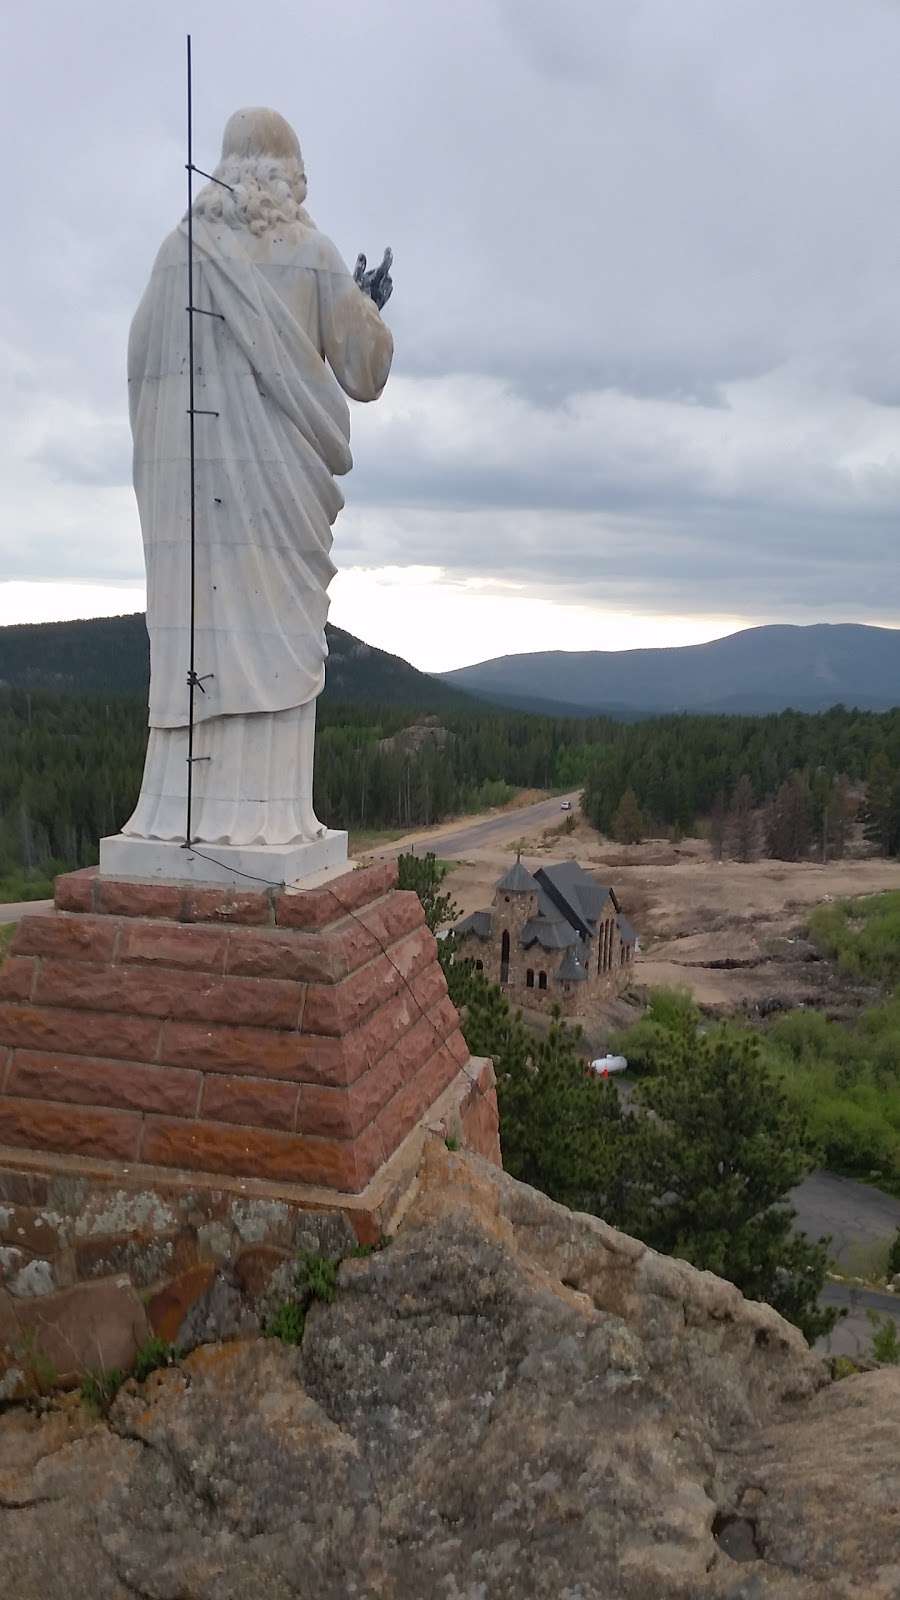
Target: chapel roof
(477,922)
(551,933)
(517,880)
(568,892)
(571,968)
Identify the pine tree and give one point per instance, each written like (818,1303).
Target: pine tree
(882,805)
(841,812)
(628,822)
(722,1153)
(717,826)
(562,1130)
(743,824)
(425,874)
(788,820)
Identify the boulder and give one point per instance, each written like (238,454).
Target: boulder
(508,1401)
(94,1327)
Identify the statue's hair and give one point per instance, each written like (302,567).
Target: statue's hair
(266,192)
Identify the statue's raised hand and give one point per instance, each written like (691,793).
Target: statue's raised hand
(377,284)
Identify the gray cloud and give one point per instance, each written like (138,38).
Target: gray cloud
(646,309)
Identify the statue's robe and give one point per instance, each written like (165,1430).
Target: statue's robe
(291,334)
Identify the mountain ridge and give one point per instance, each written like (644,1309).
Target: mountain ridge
(767,668)
(754,671)
(111,655)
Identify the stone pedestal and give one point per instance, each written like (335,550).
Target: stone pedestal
(244,866)
(187,1071)
(295,1037)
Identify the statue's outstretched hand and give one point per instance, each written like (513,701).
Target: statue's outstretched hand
(377,283)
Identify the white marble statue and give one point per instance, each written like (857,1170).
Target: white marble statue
(293,333)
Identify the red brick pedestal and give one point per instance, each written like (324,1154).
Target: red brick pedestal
(187,1075)
(296,1036)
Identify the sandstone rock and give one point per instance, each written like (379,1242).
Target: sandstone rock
(510,1402)
(34,1278)
(256,1268)
(167,1309)
(91,1328)
(221,1312)
(11,1262)
(324,1233)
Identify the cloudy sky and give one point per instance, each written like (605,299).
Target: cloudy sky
(647,302)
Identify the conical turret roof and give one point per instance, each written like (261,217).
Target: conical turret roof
(517,880)
(571,968)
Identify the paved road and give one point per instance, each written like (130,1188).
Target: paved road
(852,1335)
(14,909)
(457,839)
(857,1217)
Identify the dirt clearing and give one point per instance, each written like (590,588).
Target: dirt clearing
(733,933)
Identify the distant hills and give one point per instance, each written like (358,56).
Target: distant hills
(757,670)
(110,655)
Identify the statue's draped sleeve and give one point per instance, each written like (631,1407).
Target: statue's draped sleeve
(355,342)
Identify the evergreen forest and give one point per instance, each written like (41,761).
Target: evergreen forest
(70,768)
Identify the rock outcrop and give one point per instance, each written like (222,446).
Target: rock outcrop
(510,1402)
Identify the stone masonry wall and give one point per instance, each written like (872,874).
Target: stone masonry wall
(196,1084)
(292,1037)
(95,1261)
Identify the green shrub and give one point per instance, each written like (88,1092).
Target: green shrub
(155,1353)
(39,1370)
(804,1036)
(846,1077)
(843,1367)
(648,1042)
(287,1323)
(17,886)
(863,936)
(315,1278)
(99,1389)
(885,1339)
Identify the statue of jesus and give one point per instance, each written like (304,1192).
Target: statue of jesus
(283,331)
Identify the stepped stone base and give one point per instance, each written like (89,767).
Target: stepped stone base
(188,1071)
(291,1036)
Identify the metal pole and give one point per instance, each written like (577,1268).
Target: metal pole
(192,674)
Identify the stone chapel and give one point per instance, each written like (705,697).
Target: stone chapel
(554,936)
